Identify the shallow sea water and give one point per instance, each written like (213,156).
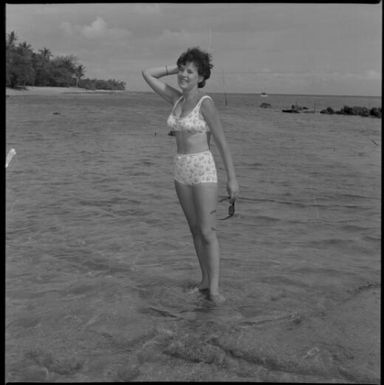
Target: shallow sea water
(99,260)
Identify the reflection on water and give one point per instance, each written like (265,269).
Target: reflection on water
(100,264)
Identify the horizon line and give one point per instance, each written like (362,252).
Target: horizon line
(258,93)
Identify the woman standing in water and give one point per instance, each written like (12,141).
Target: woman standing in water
(194,118)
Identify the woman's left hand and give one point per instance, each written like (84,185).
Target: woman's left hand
(233,190)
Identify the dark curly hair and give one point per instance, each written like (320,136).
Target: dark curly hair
(202,61)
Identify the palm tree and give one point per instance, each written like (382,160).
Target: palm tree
(21,71)
(11,40)
(79,73)
(45,54)
(9,56)
(24,46)
(41,63)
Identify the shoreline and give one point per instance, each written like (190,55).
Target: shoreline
(33,90)
(49,91)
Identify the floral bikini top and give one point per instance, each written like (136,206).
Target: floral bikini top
(192,122)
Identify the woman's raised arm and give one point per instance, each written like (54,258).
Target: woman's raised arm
(152,75)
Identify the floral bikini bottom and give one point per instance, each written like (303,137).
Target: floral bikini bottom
(195,168)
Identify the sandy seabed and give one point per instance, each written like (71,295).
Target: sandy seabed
(100,263)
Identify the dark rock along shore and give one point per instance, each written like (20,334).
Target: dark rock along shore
(356,110)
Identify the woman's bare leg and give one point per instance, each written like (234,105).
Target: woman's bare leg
(185,195)
(205,203)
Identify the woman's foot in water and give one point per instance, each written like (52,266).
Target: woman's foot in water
(201,288)
(216,298)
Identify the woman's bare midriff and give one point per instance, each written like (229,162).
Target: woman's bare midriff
(191,143)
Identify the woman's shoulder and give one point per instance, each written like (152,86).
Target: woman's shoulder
(207,107)
(205,97)
(207,102)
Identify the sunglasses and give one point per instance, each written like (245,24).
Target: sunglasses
(231,209)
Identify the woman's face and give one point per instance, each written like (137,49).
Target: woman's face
(188,76)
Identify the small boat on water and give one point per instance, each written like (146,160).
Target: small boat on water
(294,109)
(263,95)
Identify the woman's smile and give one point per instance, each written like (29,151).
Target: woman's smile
(188,74)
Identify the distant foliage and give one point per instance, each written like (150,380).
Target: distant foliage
(25,67)
(95,84)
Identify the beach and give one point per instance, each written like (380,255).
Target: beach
(51,91)
(100,262)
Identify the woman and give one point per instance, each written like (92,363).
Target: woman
(194,119)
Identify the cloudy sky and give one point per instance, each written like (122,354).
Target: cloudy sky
(277,48)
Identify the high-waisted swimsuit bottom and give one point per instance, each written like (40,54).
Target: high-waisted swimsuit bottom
(195,168)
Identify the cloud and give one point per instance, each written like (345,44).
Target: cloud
(169,37)
(367,75)
(372,75)
(96,30)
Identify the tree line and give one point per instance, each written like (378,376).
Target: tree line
(27,67)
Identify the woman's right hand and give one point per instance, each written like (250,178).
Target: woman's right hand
(173,69)
(152,75)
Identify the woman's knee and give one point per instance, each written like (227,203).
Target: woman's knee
(207,234)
